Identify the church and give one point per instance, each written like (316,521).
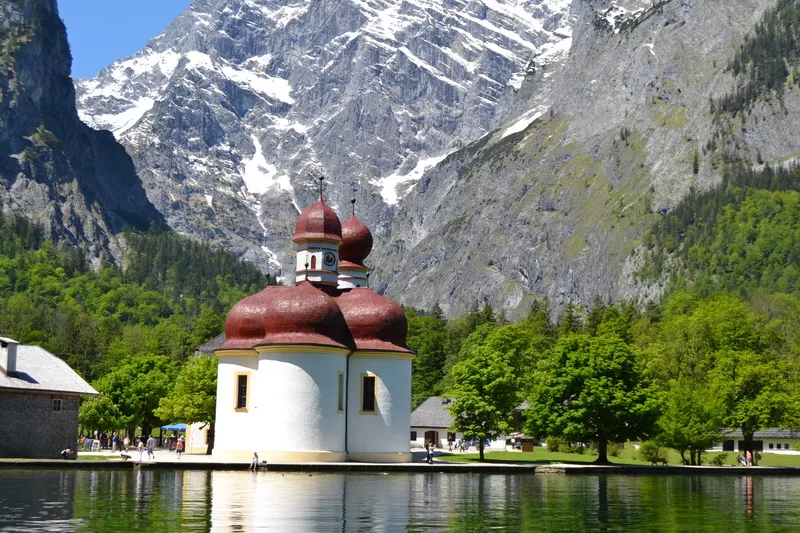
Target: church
(318,371)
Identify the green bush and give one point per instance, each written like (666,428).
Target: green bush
(555,444)
(719,460)
(649,451)
(615,448)
(576,448)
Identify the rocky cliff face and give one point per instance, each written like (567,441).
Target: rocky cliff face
(79,183)
(231,111)
(559,132)
(558,203)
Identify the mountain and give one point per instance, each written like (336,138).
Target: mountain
(79,183)
(561,206)
(231,111)
(501,150)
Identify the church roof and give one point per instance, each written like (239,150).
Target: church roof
(284,316)
(356,241)
(305,315)
(318,222)
(37,370)
(375,322)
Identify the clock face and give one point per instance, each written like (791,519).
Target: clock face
(329,259)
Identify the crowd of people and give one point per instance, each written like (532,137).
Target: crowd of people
(121,444)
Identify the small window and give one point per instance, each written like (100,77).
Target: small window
(56,405)
(413,435)
(241,391)
(313,262)
(772,445)
(340,393)
(368,394)
(786,446)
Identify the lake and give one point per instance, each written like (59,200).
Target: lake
(169,500)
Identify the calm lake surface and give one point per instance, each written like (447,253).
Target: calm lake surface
(142,500)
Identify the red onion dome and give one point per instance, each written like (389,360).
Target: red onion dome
(318,222)
(356,241)
(375,322)
(286,315)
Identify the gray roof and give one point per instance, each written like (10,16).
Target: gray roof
(770,433)
(38,370)
(432,413)
(208,347)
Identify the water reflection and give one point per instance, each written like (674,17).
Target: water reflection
(328,502)
(69,500)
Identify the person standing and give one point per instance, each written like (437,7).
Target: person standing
(151,445)
(430,453)
(179,447)
(749,456)
(140,447)
(126,443)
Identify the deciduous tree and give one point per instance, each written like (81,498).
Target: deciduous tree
(592,389)
(194,397)
(485,392)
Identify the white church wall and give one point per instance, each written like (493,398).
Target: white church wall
(382,436)
(233,438)
(297,405)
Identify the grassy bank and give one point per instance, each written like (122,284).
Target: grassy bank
(628,456)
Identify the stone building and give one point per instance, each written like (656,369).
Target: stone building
(319,371)
(39,400)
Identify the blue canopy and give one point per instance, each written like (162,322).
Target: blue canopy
(175,427)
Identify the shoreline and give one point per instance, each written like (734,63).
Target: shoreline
(415,467)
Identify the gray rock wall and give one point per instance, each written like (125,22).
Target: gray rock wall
(79,183)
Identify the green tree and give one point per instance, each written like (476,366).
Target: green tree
(100,413)
(485,393)
(754,391)
(592,389)
(194,397)
(427,337)
(570,321)
(690,422)
(136,388)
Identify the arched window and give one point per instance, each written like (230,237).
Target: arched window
(313,262)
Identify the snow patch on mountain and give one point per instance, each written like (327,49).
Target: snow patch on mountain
(390,184)
(277,88)
(524,121)
(260,176)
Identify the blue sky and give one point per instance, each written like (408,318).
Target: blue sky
(101,31)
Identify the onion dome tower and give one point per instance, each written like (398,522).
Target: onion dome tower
(318,234)
(356,246)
